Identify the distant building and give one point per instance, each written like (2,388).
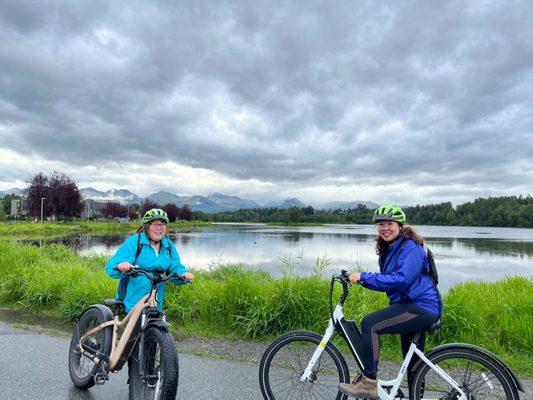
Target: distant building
(92,208)
(19,207)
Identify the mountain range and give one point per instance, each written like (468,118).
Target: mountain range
(212,203)
(16,191)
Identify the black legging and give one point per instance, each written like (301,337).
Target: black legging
(403,318)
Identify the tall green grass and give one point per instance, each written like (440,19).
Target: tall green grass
(235,302)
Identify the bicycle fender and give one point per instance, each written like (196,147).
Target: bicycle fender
(106,312)
(465,346)
(157,323)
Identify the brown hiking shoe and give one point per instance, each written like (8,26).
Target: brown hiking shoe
(361,386)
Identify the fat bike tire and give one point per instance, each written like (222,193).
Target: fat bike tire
(477,374)
(285,360)
(161,368)
(82,368)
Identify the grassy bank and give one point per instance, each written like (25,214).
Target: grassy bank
(230,301)
(58,228)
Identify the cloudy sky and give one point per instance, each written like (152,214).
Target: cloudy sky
(413,102)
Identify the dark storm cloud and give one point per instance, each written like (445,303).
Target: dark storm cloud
(375,91)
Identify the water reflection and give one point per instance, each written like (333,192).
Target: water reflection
(461,253)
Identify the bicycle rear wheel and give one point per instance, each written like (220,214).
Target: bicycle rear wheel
(285,360)
(160,365)
(477,374)
(81,367)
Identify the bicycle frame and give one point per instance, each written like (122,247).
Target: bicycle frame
(387,389)
(132,326)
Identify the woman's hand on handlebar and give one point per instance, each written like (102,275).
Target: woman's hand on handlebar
(354,277)
(188,276)
(125,266)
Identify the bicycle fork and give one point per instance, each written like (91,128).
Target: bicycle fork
(306,376)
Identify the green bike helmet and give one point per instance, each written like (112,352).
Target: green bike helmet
(155,214)
(388,212)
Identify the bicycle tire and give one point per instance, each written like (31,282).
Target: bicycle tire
(285,360)
(81,368)
(160,363)
(477,374)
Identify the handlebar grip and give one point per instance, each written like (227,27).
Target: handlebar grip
(180,278)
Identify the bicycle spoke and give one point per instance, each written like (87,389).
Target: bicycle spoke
(288,364)
(474,375)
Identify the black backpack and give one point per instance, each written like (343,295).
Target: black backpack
(432,270)
(124,279)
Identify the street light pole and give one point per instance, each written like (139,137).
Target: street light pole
(42,203)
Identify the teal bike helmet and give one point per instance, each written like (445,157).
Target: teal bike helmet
(388,212)
(155,214)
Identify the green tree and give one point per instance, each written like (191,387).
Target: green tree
(6,202)
(293,214)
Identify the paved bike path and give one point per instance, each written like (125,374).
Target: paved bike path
(34,366)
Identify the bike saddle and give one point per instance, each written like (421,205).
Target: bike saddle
(433,327)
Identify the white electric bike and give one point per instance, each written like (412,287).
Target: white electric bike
(306,365)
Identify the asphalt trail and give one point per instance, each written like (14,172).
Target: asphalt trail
(34,366)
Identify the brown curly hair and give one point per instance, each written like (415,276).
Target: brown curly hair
(406,231)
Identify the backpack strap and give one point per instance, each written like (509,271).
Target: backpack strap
(169,247)
(125,279)
(432,267)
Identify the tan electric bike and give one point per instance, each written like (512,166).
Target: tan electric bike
(102,343)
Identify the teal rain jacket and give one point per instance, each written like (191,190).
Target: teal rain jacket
(148,260)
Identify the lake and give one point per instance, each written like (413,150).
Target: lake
(461,253)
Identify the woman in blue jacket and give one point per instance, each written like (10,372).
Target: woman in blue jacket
(414,300)
(149,249)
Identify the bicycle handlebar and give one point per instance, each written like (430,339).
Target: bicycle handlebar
(162,274)
(344,279)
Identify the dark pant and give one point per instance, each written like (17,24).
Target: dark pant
(403,318)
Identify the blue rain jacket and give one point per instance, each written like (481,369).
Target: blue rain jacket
(139,285)
(403,277)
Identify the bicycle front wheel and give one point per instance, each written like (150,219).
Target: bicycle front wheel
(160,366)
(476,374)
(285,360)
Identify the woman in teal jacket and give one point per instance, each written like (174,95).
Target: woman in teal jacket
(149,249)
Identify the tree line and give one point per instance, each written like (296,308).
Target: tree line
(58,196)
(506,211)
(136,211)
(63,201)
